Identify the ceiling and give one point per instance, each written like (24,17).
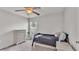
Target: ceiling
(42,11)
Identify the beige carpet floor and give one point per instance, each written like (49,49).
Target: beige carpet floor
(26,46)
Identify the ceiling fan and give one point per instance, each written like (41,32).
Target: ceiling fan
(30,10)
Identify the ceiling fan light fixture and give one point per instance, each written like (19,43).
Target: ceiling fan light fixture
(29,10)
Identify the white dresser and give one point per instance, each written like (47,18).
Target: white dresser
(63,46)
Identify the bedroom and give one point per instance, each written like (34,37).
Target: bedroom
(51,20)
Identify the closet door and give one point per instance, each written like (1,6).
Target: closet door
(19,36)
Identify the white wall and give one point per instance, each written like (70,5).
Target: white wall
(71,25)
(6,39)
(77,45)
(8,23)
(51,23)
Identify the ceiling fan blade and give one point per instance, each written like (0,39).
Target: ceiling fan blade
(19,10)
(36,13)
(36,8)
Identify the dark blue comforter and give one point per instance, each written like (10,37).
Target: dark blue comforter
(47,39)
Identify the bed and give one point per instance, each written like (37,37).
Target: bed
(47,39)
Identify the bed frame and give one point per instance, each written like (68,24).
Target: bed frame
(47,39)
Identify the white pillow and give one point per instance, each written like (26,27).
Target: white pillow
(62,36)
